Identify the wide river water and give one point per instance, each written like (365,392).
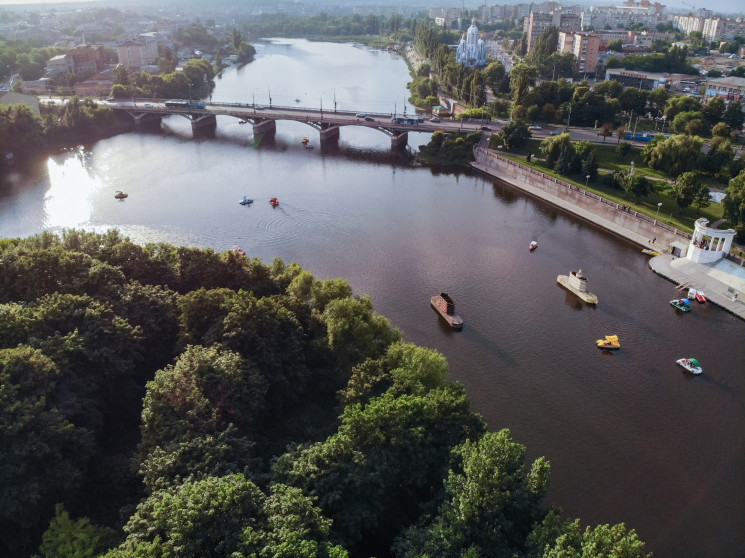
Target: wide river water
(630,437)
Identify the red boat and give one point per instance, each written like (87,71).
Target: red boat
(274,202)
(533,245)
(699,296)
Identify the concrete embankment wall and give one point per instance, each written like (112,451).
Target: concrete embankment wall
(607,214)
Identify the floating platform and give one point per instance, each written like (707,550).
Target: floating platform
(577,283)
(446,308)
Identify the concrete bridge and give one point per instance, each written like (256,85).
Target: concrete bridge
(148,112)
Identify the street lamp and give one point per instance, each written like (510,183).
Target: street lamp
(587,179)
(659,205)
(631,171)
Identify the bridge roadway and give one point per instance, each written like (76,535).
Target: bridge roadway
(264,118)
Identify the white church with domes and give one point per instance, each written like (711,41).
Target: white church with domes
(471,49)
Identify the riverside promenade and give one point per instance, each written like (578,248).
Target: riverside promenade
(719,281)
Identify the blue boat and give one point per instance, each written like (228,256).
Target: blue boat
(246,201)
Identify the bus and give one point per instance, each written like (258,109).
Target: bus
(183,103)
(177,103)
(406,120)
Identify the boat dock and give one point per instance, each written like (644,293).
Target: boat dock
(707,278)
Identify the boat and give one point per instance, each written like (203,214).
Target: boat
(237,248)
(246,201)
(690,365)
(533,245)
(304,140)
(446,307)
(700,297)
(650,252)
(243,122)
(274,202)
(308,146)
(577,283)
(681,304)
(120,195)
(297,100)
(610,343)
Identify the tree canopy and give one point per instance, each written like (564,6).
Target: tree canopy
(230,408)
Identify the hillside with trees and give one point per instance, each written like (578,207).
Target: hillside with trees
(166,401)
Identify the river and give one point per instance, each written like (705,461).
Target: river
(630,437)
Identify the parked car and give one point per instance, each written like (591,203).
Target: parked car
(369,119)
(434,119)
(361,115)
(486,128)
(555,133)
(534,127)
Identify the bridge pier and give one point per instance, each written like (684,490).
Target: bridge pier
(147,121)
(264,126)
(204,125)
(329,133)
(400,140)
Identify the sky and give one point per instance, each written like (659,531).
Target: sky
(721,6)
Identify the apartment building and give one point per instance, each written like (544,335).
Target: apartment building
(536,23)
(585,46)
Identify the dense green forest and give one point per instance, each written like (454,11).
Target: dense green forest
(165,401)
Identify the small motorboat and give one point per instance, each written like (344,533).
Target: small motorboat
(650,252)
(610,343)
(681,304)
(246,201)
(274,202)
(297,100)
(304,140)
(699,296)
(237,248)
(243,122)
(533,245)
(120,195)
(308,146)
(690,365)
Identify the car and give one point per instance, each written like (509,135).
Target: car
(485,128)
(369,119)
(111,99)
(361,115)
(259,107)
(534,127)
(555,133)
(434,119)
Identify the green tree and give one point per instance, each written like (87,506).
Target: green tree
(364,477)
(490,506)
(355,332)
(734,116)
(204,392)
(552,147)
(513,135)
(623,149)
(552,539)
(44,455)
(80,539)
(685,188)
(227,516)
(714,111)
(734,201)
(522,77)
(674,155)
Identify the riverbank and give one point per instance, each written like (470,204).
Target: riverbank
(719,282)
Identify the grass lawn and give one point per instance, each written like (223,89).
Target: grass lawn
(669,212)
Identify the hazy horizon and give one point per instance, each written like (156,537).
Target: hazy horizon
(725,7)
